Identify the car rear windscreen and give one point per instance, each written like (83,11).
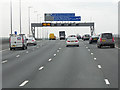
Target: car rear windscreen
(107,35)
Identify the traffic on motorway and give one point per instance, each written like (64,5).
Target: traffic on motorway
(66,62)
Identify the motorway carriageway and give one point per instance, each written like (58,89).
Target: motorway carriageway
(51,64)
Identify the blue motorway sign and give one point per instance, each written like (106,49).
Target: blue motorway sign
(62,17)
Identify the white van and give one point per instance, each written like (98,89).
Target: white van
(17,41)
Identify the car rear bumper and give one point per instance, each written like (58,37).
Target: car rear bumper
(72,43)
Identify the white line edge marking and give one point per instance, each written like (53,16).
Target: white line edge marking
(4,61)
(24,83)
(4,50)
(18,56)
(26,51)
(95,58)
(86,47)
(41,68)
(50,59)
(107,81)
(99,66)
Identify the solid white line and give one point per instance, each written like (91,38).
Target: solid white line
(88,49)
(91,53)
(24,83)
(95,58)
(99,66)
(41,68)
(4,61)
(49,59)
(106,81)
(54,54)
(18,56)
(4,50)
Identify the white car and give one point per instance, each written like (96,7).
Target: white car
(31,41)
(72,41)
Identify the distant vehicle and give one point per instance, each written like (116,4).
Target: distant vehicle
(106,39)
(86,37)
(78,36)
(52,36)
(18,41)
(93,39)
(31,41)
(62,35)
(72,36)
(72,41)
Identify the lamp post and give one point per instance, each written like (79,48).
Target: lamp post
(20,15)
(37,22)
(11,15)
(29,17)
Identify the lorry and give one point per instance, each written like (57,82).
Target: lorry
(62,35)
(17,41)
(52,36)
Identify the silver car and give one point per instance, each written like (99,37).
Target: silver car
(31,41)
(72,41)
(106,39)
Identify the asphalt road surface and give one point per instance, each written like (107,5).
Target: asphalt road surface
(51,64)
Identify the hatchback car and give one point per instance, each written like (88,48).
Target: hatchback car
(106,39)
(93,39)
(31,41)
(86,37)
(72,41)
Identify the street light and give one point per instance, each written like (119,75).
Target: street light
(20,16)
(11,15)
(29,17)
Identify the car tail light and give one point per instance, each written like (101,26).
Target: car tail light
(100,39)
(76,41)
(68,41)
(91,38)
(22,40)
(32,40)
(113,39)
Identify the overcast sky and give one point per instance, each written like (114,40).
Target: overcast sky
(103,12)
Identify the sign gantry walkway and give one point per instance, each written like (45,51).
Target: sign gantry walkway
(89,24)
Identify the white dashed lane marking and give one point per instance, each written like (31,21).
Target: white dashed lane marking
(99,66)
(88,49)
(95,58)
(41,68)
(107,81)
(91,53)
(18,56)
(49,59)
(57,50)
(5,61)
(26,51)
(24,83)
(54,54)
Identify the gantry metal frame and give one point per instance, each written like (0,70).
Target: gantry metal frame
(89,24)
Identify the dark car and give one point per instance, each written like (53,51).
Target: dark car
(78,37)
(106,39)
(93,39)
(86,37)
